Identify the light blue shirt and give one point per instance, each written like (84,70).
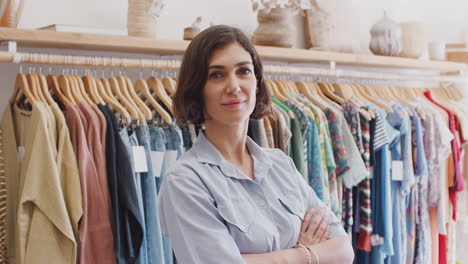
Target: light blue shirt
(213,212)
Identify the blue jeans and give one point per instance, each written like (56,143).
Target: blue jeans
(158,143)
(174,140)
(153,227)
(129,142)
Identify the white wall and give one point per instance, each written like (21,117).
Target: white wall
(445,20)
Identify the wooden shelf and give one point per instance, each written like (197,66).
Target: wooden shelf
(52,39)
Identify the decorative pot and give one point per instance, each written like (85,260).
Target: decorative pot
(10,12)
(386,37)
(275,28)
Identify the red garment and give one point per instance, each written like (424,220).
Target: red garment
(443,250)
(96,238)
(456,150)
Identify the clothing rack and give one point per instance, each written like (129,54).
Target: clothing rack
(174,64)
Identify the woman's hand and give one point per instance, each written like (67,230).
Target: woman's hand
(314,228)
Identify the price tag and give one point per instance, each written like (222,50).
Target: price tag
(171,157)
(139,159)
(397,170)
(157,159)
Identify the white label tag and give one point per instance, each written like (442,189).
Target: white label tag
(397,170)
(139,159)
(371,172)
(157,158)
(20,153)
(171,157)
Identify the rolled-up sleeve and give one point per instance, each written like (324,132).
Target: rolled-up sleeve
(190,218)
(313,202)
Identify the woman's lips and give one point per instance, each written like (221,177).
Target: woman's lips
(233,104)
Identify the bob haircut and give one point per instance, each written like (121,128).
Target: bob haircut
(188,99)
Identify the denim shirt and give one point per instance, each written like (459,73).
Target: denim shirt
(213,212)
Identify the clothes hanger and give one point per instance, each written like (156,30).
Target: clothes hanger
(64,84)
(34,89)
(89,89)
(141,86)
(293,88)
(124,90)
(325,88)
(112,101)
(22,91)
(81,88)
(45,89)
(53,84)
(107,91)
(282,89)
(343,90)
(37,87)
(282,85)
(115,86)
(316,98)
(269,88)
(95,87)
(276,92)
(169,85)
(143,107)
(365,93)
(158,88)
(74,89)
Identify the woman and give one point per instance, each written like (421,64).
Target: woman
(227,200)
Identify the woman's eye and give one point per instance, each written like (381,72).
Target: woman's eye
(215,75)
(245,71)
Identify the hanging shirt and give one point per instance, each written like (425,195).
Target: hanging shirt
(96,240)
(38,224)
(213,212)
(67,166)
(383,136)
(360,130)
(458,177)
(127,223)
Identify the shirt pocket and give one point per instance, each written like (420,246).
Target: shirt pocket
(292,205)
(239,214)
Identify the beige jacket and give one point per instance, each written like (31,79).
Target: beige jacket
(39,229)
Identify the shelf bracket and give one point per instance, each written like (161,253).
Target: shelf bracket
(12,46)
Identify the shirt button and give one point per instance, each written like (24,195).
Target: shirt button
(242,228)
(261,203)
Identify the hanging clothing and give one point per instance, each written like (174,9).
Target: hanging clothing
(127,223)
(130,141)
(95,228)
(149,194)
(34,216)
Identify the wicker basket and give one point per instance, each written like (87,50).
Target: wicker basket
(10,11)
(141,22)
(275,28)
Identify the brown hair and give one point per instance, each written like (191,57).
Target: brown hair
(188,99)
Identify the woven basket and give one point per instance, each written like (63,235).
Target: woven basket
(140,21)
(275,28)
(10,11)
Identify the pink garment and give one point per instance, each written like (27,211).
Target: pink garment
(96,238)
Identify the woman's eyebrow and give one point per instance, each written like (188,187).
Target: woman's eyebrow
(242,63)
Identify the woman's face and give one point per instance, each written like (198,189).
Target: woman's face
(230,90)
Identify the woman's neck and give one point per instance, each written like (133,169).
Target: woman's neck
(229,140)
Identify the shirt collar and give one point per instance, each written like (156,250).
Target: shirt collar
(206,152)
